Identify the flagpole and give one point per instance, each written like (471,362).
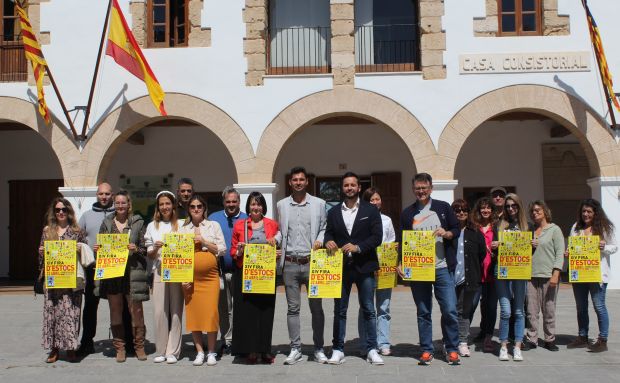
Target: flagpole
(62,103)
(94,82)
(612,115)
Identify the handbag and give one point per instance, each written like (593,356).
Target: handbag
(38,285)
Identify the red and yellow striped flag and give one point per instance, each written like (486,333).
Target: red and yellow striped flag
(35,56)
(124,49)
(600,55)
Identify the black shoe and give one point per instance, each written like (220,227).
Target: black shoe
(86,349)
(551,346)
(528,345)
(224,350)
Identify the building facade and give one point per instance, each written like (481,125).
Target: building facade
(477,93)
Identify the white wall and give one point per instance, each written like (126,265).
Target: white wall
(24,155)
(365,149)
(185,151)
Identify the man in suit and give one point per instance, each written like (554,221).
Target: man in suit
(355,227)
(302,218)
(434,215)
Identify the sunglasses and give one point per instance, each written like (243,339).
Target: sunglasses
(499,195)
(60,210)
(196,207)
(512,206)
(460,210)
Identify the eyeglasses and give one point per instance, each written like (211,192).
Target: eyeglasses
(196,207)
(422,188)
(60,210)
(512,206)
(460,210)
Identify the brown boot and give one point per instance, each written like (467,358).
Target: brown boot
(579,342)
(599,346)
(139,334)
(118,340)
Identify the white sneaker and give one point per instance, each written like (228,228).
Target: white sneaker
(159,359)
(294,357)
(464,349)
(516,355)
(319,356)
(374,358)
(503,354)
(337,357)
(200,359)
(211,359)
(171,359)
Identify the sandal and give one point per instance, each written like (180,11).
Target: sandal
(52,357)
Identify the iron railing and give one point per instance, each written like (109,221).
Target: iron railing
(13,64)
(298,50)
(387,48)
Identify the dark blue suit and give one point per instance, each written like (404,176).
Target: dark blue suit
(359,268)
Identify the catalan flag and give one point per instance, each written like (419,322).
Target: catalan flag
(124,49)
(600,56)
(35,56)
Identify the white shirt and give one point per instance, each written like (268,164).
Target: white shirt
(389,235)
(153,235)
(348,215)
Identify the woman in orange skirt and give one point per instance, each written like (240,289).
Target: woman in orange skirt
(202,295)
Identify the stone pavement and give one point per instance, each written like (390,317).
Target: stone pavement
(21,356)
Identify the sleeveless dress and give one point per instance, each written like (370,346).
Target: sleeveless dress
(202,299)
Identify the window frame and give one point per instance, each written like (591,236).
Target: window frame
(15,18)
(518,12)
(171,31)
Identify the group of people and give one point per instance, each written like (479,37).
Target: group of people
(467,240)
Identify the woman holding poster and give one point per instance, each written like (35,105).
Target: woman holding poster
(134,283)
(252,313)
(202,295)
(167,296)
(593,221)
(61,307)
(513,219)
(547,262)
(382,296)
(470,252)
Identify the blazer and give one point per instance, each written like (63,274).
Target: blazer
(318,221)
(367,233)
(448,223)
(271,229)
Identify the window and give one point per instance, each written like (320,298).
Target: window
(13,65)
(520,17)
(10,23)
(167,23)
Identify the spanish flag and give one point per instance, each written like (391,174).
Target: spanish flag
(124,49)
(35,56)
(597,43)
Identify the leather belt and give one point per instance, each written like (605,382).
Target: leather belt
(297,260)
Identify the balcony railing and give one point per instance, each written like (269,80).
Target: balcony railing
(386,48)
(298,50)
(13,64)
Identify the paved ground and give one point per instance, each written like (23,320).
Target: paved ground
(21,357)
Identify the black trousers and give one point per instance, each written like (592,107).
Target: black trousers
(91,304)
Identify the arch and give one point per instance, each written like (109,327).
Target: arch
(574,114)
(134,115)
(57,136)
(341,102)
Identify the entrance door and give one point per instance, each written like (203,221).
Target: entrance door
(28,203)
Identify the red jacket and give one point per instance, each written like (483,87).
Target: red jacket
(271,229)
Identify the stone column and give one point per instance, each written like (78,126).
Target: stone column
(268,190)
(81,198)
(607,191)
(444,190)
(342,42)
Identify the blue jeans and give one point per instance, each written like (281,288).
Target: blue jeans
(365,283)
(597,292)
(507,290)
(382,303)
(446,297)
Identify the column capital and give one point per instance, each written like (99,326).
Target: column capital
(441,185)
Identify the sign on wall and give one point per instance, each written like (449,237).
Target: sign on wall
(541,62)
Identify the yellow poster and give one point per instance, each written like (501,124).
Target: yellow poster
(177,258)
(418,255)
(388,261)
(325,274)
(111,256)
(514,255)
(60,264)
(259,269)
(584,259)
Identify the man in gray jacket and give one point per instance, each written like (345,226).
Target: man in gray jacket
(302,220)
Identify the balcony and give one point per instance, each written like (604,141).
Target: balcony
(13,63)
(387,48)
(298,50)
